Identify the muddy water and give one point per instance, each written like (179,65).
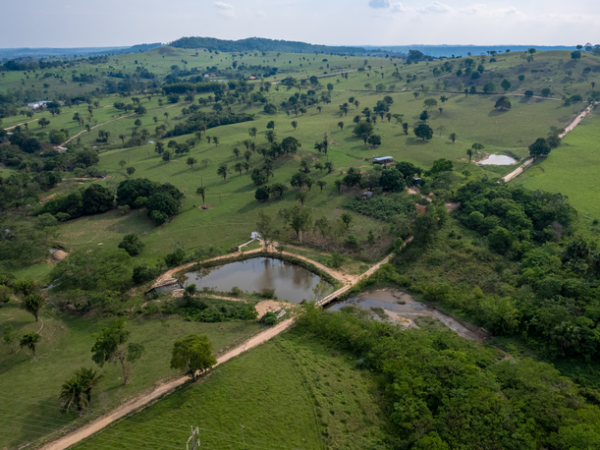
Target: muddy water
(400,306)
(291,282)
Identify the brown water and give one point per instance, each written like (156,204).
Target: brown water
(400,306)
(291,282)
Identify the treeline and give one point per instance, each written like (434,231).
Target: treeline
(201,121)
(444,392)
(203,86)
(262,45)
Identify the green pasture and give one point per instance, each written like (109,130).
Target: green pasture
(29,405)
(335,405)
(571,169)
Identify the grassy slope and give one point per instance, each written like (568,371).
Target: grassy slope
(571,169)
(29,387)
(334,404)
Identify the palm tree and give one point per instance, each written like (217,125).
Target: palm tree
(236,152)
(319,108)
(329,166)
(222,171)
(238,168)
(30,340)
(470,154)
(477,147)
(301,197)
(201,191)
(318,146)
(247,155)
(89,379)
(338,185)
(122,137)
(32,304)
(166,114)
(71,393)
(191,161)
(347,219)
(246,165)
(321,184)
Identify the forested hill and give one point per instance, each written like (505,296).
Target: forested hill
(262,44)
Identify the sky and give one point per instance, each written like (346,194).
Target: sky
(99,23)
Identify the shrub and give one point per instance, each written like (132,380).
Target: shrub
(132,244)
(143,274)
(269,318)
(175,259)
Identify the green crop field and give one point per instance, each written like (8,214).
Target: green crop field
(335,405)
(29,400)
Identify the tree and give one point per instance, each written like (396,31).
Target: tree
(271,125)
(423,131)
(215,140)
(130,171)
(252,132)
(505,85)
(89,379)
(439,166)
(270,136)
(33,303)
(193,353)
(341,125)
(191,161)
(202,192)
(294,124)
(122,163)
(503,103)
(30,340)
(469,154)
(262,194)
(477,146)
(424,116)
(405,128)
(346,219)
(97,199)
(452,137)
(166,156)
(321,184)
(363,130)
(338,185)
(430,103)
(132,244)
(539,148)
(110,347)
(374,140)
(44,122)
(71,393)
(297,218)
(301,197)
(576,55)
(222,171)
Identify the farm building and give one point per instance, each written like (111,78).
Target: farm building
(382,160)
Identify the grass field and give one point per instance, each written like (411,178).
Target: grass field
(29,405)
(335,405)
(571,169)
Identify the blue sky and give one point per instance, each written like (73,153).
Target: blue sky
(70,23)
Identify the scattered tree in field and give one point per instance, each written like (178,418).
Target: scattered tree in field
(503,103)
(469,154)
(130,170)
(33,303)
(294,124)
(329,166)
(539,148)
(363,130)
(215,140)
(423,131)
(452,137)
(301,196)
(132,244)
(122,137)
(424,116)
(72,394)
(271,125)
(321,184)
(122,163)
(192,354)
(430,103)
(252,132)
(238,168)
(30,340)
(222,171)
(477,146)
(44,122)
(374,140)
(202,192)
(338,185)
(110,347)
(346,219)
(405,128)
(341,125)
(89,379)
(166,156)
(505,85)
(191,161)
(262,194)
(236,152)
(297,218)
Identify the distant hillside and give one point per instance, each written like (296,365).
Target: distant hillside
(462,50)
(263,45)
(14,53)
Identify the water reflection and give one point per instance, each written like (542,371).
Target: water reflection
(291,282)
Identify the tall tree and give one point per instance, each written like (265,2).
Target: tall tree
(71,393)
(30,340)
(193,354)
(222,171)
(191,161)
(201,191)
(89,379)
(33,304)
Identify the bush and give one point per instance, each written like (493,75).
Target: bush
(143,274)
(132,244)
(262,194)
(97,199)
(269,318)
(175,259)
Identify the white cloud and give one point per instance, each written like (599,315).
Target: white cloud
(398,8)
(483,10)
(261,14)
(435,7)
(379,3)
(225,9)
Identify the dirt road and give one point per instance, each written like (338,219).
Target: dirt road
(97,425)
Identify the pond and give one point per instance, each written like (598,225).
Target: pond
(498,160)
(291,282)
(401,308)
